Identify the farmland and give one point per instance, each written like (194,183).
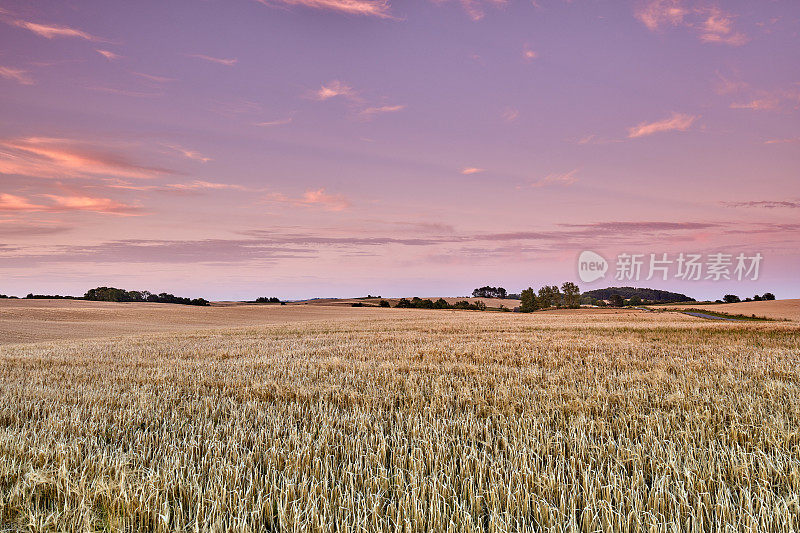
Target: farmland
(321,418)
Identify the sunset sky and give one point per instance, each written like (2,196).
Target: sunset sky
(300,148)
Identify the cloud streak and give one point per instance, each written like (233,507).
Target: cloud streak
(368,8)
(676,122)
(218,60)
(61,204)
(15,74)
(54,158)
(52,31)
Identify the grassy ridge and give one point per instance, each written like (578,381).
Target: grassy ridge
(459,421)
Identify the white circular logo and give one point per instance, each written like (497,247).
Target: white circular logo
(591,266)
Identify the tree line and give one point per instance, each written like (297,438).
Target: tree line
(113,294)
(441,303)
(732,298)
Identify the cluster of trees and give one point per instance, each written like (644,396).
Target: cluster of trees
(267,300)
(732,298)
(550,296)
(112,294)
(641,294)
(441,303)
(489,292)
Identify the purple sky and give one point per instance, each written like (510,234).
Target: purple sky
(301,148)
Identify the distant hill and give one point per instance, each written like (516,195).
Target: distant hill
(652,295)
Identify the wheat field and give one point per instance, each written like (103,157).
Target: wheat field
(410,420)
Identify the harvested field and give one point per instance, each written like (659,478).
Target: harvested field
(408,420)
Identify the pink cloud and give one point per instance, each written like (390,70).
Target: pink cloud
(467,171)
(151,77)
(335,89)
(718,28)
(189,154)
(52,31)
(331,202)
(510,114)
(111,56)
(529,54)
(677,122)
(759,104)
(218,60)
(372,8)
(279,122)
(711,24)
(659,13)
(88,203)
(372,111)
(476,9)
(16,74)
(313,198)
(564,178)
(10,202)
(46,157)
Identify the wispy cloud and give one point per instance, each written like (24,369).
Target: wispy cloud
(318,197)
(766,204)
(370,112)
(127,92)
(218,60)
(710,23)
(563,178)
(151,77)
(189,154)
(372,8)
(10,202)
(313,198)
(55,158)
(467,171)
(510,114)
(52,31)
(279,122)
(657,14)
(88,203)
(677,122)
(111,56)
(335,89)
(16,74)
(476,9)
(787,140)
(529,54)
(206,185)
(758,104)
(718,28)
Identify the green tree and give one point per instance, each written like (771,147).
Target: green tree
(635,300)
(549,296)
(616,300)
(528,302)
(572,295)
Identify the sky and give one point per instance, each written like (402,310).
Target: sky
(332,148)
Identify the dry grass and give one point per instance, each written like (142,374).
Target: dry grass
(777,309)
(44,320)
(409,420)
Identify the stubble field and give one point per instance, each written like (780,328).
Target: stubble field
(408,420)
